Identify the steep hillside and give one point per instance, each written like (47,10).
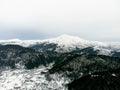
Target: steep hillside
(75,66)
(105,80)
(13,56)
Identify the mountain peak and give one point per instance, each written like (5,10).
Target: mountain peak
(68,41)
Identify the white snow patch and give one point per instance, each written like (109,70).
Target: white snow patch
(21,79)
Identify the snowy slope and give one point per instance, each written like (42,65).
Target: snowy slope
(65,40)
(35,79)
(66,43)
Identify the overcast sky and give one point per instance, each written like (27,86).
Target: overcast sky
(39,19)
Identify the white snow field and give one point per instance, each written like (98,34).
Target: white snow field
(35,79)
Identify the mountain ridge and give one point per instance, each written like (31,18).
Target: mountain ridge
(58,39)
(65,43)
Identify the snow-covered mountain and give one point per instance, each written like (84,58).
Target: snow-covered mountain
(44,65)
(64,43)
(63,40)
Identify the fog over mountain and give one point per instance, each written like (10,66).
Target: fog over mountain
(39,19)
